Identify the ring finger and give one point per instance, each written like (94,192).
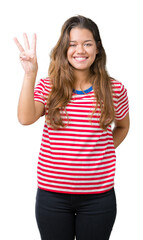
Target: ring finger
(18,45)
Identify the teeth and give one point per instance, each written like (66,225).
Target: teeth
(80,58)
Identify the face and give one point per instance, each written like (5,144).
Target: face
(82,49)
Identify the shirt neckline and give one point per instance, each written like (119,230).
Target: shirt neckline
(82,92)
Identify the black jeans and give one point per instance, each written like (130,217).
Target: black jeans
(87,216)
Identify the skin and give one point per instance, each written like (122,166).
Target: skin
(29,111)
(81,54)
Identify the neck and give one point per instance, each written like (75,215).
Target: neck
(81,80)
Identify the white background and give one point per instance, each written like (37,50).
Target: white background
(120,24)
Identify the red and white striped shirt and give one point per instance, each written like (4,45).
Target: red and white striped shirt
(80,158)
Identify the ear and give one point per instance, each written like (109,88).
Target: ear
(98,44)
(97,51)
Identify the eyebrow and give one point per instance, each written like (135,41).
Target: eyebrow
(84,41)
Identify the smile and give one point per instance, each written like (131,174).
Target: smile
(80,59)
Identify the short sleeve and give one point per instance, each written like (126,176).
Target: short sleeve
(41,91)
(122,103)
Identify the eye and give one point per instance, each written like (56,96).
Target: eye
(72,45)
(88,44)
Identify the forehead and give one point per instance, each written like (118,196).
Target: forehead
(80,34)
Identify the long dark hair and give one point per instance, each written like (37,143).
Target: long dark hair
(62,80)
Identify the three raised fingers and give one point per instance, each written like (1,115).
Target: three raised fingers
(26,43)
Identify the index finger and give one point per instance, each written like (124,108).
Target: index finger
(33,46)
(18,44)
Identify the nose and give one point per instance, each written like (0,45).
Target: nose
(80,49)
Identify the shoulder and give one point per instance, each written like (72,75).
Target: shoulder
(45,81)
(117,87)
(46,84)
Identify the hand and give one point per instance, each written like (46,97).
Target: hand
(28,56)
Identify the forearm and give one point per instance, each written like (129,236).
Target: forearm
(119,134)
(26,105)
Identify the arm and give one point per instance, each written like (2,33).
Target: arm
(28,110)
(120,130)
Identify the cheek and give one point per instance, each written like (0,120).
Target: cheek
(93,55)
(69,53)
(69,56)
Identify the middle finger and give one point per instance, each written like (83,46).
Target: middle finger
(26,42)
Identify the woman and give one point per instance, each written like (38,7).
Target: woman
(77,158)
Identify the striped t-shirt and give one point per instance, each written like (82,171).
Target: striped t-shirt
(79,158)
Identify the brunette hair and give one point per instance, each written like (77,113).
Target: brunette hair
(62,80)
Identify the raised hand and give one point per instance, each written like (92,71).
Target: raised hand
(28,56)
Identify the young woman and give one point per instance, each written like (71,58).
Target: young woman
(76,165)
